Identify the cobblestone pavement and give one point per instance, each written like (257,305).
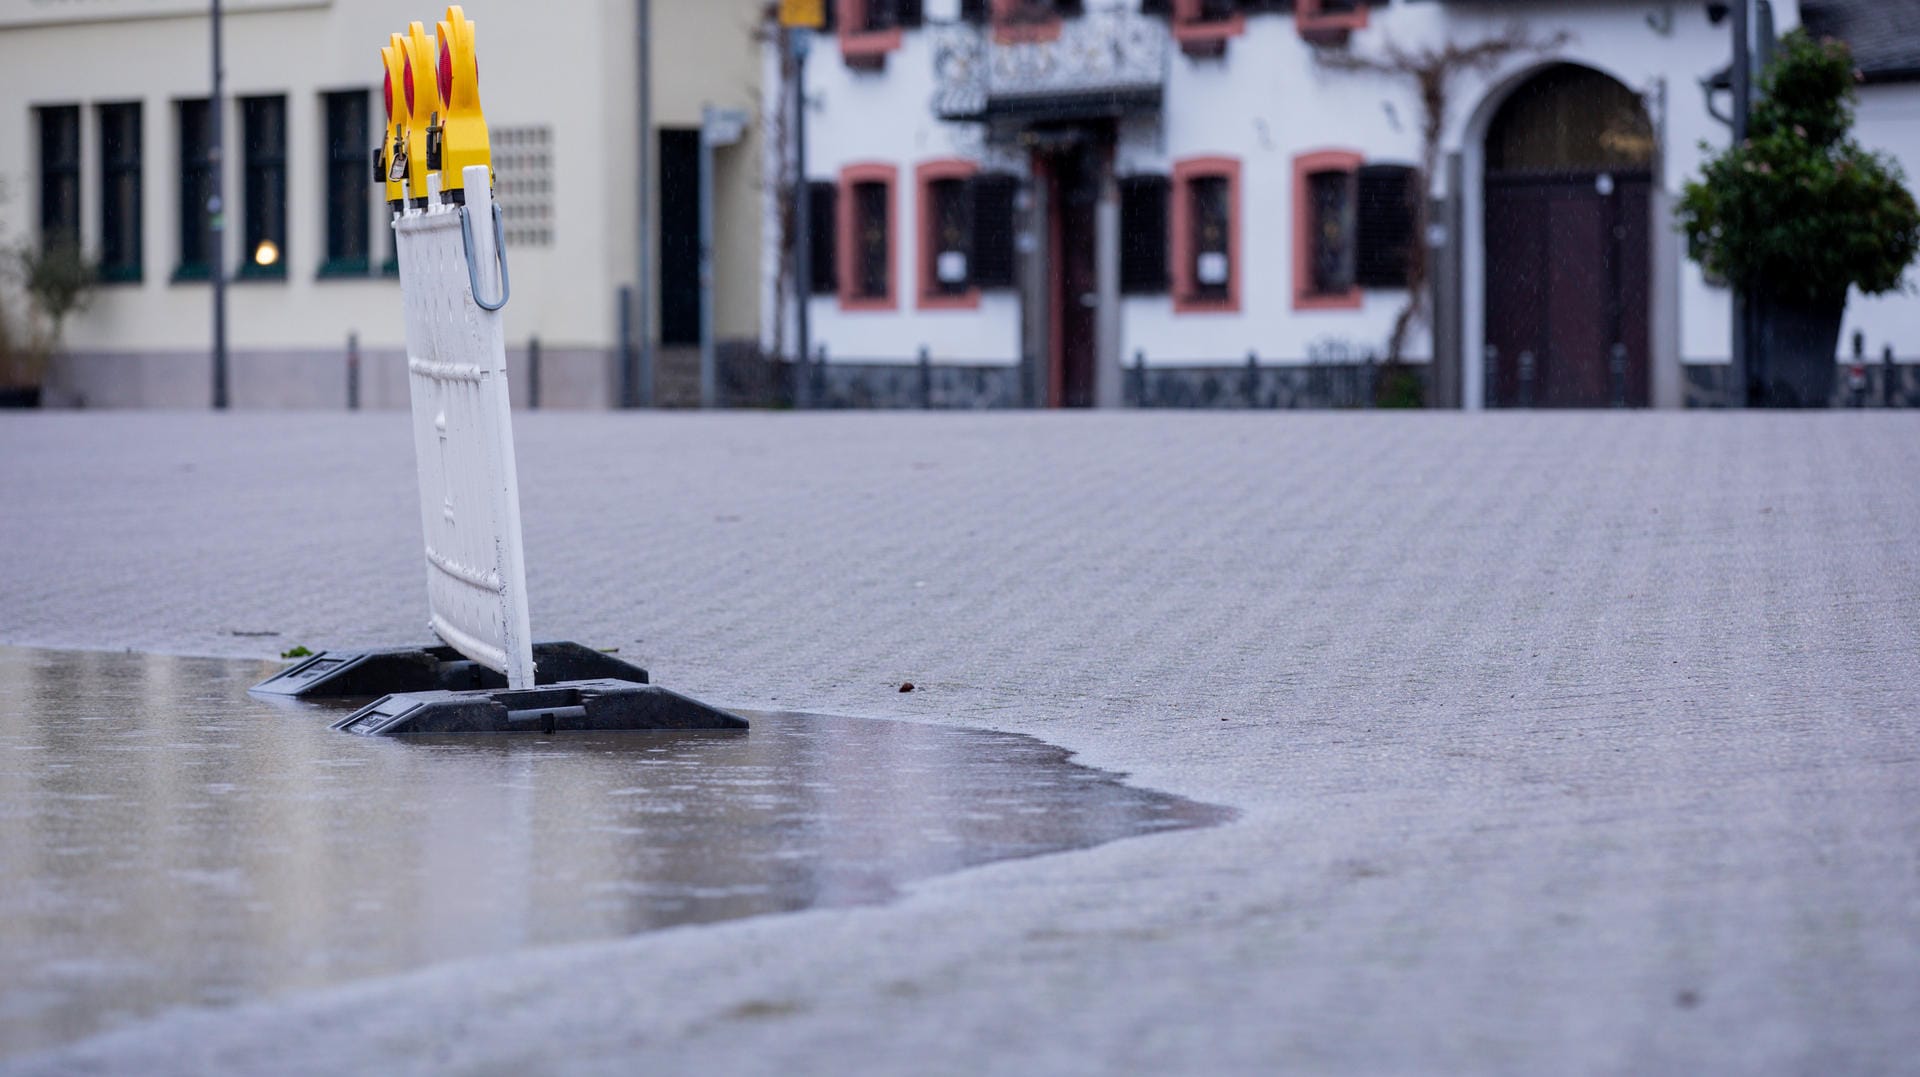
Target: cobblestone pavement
(1563,743)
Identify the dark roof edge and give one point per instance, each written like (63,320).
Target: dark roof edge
(1891,74)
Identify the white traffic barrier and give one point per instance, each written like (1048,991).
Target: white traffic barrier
(453,282)
(463,428)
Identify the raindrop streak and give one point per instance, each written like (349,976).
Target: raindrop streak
(167,840)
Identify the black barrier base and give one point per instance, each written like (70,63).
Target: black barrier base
(579,706)
(344,674)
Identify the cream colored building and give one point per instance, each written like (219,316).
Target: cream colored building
(102,120)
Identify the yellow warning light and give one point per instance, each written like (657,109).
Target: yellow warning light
(267,253)
(463,125)
(422,92)
(803,14)
(394,148)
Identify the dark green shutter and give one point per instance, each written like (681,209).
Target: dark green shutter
(1384,225)
(1143,234)
(993,228)
(823,237)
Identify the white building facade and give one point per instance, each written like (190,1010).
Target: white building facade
(1209,202)
(105,139)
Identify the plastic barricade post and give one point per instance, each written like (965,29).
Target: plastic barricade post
(462,432)
(483,678)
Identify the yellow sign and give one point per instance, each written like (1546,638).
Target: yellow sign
(394,141)
(422,89)
(463,126)
(808,14)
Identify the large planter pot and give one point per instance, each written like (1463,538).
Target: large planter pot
(19,396)
(1798,345)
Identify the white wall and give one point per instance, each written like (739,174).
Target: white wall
(1255,107)
(1266,103)
(570,64)
(1889,121)
(887,117)
(300,54)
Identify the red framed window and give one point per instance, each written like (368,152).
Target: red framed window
(1325,209)
(1203,27)
(1206,236)
(870,29)
(945,212)
(1328,22)
(866,223)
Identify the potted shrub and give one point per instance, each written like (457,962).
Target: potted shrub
(58,281)
(1800,213)
(23,359)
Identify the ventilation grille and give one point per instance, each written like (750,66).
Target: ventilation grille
(523,183)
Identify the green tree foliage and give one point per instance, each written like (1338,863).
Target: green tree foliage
(23,347)
(20,360)
(1800,212)
(56,281)
(60,279)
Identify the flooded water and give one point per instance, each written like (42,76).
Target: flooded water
(167,840)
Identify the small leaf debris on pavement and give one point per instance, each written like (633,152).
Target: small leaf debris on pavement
(296,652)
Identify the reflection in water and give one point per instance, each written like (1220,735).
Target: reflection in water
(167,840)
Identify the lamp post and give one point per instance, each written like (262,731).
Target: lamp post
(1742,109)
(802,41)
(636,385)
(801,19)
(217,225)
(1752,26)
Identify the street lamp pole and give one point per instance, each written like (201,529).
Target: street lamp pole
(217,224)
(637,384)
(1743,370)
(802,39)
(709,360)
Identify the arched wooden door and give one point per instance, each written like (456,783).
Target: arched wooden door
(1569,184)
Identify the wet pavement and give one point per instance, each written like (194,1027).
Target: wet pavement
(167,840)
(1563,742)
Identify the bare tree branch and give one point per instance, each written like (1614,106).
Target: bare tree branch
(776,129)
(1433,70)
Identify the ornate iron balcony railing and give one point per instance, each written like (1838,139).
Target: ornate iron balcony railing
(1103,63)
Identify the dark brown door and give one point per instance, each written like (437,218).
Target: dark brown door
(1567,262)
(1074,195)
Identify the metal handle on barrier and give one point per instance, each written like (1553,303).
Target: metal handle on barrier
(499,252)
